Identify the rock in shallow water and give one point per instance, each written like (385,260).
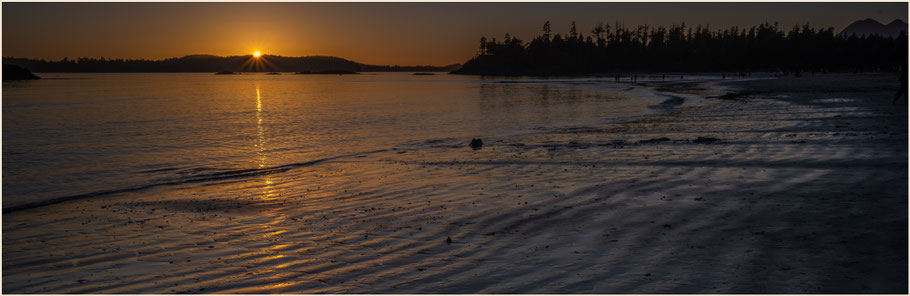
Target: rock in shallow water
(476,143)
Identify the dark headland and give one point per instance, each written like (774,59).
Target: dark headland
(679,48)
(13,72)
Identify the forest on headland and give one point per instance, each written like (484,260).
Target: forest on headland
(211,63)
(680,48)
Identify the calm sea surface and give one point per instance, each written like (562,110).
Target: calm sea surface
(82,135)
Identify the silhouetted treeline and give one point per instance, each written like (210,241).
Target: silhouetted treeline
(611,49)
(210,63)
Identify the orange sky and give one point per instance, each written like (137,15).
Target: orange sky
(372,33)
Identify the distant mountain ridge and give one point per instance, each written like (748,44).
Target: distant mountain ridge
(211,63)
(869,27)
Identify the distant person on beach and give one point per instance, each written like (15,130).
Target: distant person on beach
(902,91)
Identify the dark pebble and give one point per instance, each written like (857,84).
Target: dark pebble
(476,143)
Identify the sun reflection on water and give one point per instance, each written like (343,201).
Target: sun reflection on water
(279,285)
(260,133)
(260,145)
(273,229)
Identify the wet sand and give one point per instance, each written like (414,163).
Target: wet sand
(794,185)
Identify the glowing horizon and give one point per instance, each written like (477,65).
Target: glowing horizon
(369,33)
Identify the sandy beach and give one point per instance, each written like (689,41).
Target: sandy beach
(789,185)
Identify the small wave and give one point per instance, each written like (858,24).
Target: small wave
(233,174)
(669,104)
(158,170)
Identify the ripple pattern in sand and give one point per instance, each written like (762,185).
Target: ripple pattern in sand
(782,200)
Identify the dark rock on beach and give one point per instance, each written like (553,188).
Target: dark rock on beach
(476,143)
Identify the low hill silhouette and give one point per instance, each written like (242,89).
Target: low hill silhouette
(211,63)
(869,27)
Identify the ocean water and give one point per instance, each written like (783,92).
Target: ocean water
(72,136)
(254,184)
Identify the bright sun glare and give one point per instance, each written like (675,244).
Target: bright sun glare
(257,54)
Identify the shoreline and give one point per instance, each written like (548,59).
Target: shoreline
(779,190)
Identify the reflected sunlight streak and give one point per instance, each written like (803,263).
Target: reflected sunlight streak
(269,192)
(260,133)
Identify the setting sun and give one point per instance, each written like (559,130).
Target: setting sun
(257,54)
